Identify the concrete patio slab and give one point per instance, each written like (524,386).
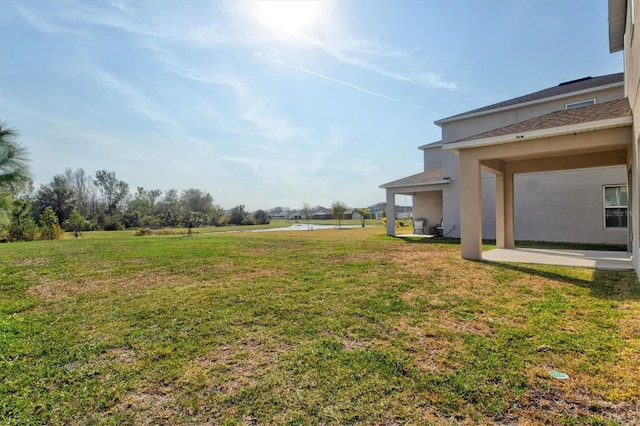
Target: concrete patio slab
(612,260)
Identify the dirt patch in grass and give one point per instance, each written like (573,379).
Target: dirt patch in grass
(149,406)
(118,355)
(352,345)
(554,405)
(32,261)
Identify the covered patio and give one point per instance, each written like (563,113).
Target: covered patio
(593,136)
(426,189)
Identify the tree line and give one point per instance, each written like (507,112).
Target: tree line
(77,201)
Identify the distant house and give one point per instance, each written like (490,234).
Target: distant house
(278,216)
(320,213)
(355,214)
(403,212)
(378,210)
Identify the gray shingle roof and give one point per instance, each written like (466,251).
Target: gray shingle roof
(562,89)
(604,111)
(424,178)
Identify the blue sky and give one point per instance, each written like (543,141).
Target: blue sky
(274,103)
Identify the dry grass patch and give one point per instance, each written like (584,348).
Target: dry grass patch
(51,290)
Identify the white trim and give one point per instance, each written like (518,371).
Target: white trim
(543,133)
(525,104)
(431,145)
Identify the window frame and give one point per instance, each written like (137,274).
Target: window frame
(605,207)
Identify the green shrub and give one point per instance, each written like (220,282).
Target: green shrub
(50,229)
(26,230)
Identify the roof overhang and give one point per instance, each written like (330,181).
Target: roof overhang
(542,133)
(525,104)
(617,24)
(414,184)
(431,145)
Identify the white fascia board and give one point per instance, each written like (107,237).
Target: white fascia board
(406,185)
(525,104)
(431,145)
(543,133)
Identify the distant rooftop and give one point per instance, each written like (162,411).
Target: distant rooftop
(565,88)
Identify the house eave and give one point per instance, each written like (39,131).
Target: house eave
(525,104)
(617,24)
(542,133)
(406,185)
(431,145)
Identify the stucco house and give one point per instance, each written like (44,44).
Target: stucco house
(583,205)
(559,164)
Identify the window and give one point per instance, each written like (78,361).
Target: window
(615,206)
(580,104)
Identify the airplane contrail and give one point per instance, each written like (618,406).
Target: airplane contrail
(344,83)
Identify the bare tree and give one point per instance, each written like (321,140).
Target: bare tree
(84,191)
(306,213)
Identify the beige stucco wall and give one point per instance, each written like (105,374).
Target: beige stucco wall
(428,205)
(566,206)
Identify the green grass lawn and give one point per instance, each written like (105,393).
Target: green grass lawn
(323,327)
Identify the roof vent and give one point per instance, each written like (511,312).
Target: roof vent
(575,81)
